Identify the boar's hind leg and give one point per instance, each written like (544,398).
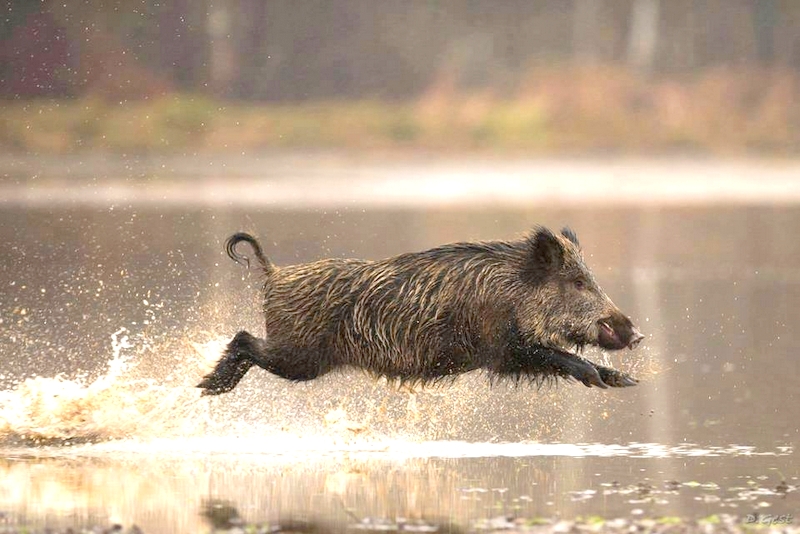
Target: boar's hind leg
(234,364)
(293,363)
(246,350)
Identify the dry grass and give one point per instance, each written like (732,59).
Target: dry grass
(554,110)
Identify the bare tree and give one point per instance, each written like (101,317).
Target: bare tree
(765,18)
(222,71)
(585,25)
(643,36)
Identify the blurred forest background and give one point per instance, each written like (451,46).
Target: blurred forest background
(540,76)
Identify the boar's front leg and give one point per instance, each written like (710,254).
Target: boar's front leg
(566,364)
(537,360)
(534,361)
(614,378)
(585,371)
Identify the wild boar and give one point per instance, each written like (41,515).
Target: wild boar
(519,308)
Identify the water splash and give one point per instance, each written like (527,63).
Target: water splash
(145,400)
(120,403)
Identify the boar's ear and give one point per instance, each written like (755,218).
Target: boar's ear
(544,257)
(569,233)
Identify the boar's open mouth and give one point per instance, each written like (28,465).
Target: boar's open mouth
(607,337)
(612,338)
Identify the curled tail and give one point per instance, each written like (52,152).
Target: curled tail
(230,248)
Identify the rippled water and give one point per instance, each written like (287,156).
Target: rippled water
(112,309)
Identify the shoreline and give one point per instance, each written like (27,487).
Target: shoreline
(322,180)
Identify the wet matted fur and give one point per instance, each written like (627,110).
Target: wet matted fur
(514,308)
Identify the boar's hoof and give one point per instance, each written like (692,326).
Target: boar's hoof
(616,379)
(586,373)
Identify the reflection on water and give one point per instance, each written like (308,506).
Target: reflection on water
(110,316)
(162,490)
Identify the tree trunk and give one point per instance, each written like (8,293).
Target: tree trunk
(223,64)
(643,37)
(765,19)
(585,30)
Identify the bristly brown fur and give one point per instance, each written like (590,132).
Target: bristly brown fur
(509,307)
(570,234)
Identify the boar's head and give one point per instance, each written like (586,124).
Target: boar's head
(562,305)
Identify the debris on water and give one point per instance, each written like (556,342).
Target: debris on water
(221,514)
(643,489)
(113,529)
(370,524)
(584,495)
(224,518)
(639,524)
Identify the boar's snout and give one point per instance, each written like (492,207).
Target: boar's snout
(617,332)
(636,337)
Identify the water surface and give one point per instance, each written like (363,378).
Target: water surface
(115,304)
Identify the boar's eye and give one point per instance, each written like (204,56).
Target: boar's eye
(580,284)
